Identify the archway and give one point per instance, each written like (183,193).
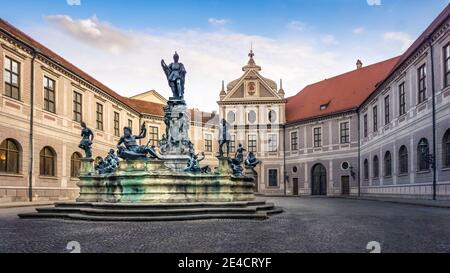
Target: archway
(319,180)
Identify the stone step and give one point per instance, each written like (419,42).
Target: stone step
(134,206)
(96,211)
(155,212)
(75,216)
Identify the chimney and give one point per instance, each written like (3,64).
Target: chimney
(359,64)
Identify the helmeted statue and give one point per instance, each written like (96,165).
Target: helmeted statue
(224,137)
(129,149)
(175,73)
(86,141)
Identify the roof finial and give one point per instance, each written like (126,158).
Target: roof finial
(281,91)
(251,55)
(222,92)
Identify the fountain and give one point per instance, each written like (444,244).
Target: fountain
(164,182)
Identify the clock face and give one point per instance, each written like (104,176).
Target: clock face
(251,89)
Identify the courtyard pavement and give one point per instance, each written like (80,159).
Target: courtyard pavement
(308,225)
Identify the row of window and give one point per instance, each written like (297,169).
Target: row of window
(12,90)
(423,163)
(272,142)
(251,116)
(421,93)
(344,130)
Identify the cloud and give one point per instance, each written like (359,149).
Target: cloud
(404,38)
(129,61)
(374,2)
(329,40)
(73,2)
(296,25)
(358,30)
(217,22)
(94,32)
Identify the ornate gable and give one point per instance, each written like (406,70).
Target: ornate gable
(251,86)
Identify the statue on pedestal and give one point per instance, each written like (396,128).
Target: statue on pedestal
(128,148)
(236,163)
(224,137)
(175,73)
(86,141)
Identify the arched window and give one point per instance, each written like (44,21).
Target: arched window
(403,160)
(376,167)
(47,161)
(387,164)
(75,164)
(9,156)
(423,149)
(446,148)
(366,169)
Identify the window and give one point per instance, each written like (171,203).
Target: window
(208,143)
(116,124)
(99,119)
(317,137)
(77,107)
(375,118)
(47,162)
(231,117)
(446,148)
(233,144)
(272,116)
(365,125)
(252,143)
(153,135)
(422,84)
(376,167)
(387,116)
(9,157)
(366,169)
(49,95)
(273,178)
(387,164)
(252,116)
(130,124)
(294,141)
(422,152)
(403,160)
(446,65)
(345,132)
(401,99)
(273,143)
(12,78)
(75,165)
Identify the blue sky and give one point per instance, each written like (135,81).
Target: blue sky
(121,42)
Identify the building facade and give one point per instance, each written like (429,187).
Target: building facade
(381,129)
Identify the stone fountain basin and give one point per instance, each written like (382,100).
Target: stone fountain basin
(153,182)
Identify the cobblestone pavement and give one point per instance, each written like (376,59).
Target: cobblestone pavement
(307,225)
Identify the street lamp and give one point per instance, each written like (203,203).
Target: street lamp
(426,156)
(352,172)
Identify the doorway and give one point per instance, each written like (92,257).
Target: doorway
(319,180)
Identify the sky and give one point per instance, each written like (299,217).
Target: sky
(121,43)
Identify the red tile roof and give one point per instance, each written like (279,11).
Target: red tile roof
(27,40)
(341,93)
(146,107)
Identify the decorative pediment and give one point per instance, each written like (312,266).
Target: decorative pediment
(251,85)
